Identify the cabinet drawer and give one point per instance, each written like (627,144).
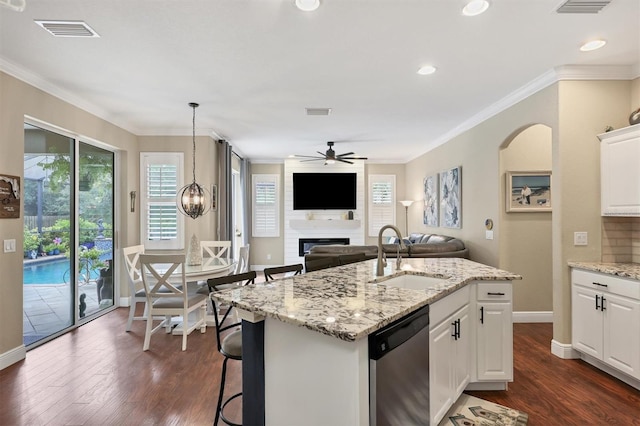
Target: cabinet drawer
(606,283)
(445,307)
(494,292)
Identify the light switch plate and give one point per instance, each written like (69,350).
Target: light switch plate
(488,235)
(580,239)
(9,246)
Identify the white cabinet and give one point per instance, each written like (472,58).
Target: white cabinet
(449,352)
(606,319)
(620,172)
(494,332)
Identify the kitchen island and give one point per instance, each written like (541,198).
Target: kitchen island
(305,346)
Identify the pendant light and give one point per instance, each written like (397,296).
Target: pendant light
(193,199)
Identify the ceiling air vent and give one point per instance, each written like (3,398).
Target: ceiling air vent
(68,28)
(582,6)
(318,111)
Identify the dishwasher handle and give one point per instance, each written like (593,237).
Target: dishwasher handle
(383,341)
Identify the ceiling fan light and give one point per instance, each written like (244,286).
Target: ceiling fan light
(307,5)
(329,161)
(475,7)
(427,70)
(592,45)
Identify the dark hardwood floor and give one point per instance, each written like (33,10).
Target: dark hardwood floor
(98,374)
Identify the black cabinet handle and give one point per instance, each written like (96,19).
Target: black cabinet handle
(495,293)
(597,305)
(458,328)
(482,315)
(455,330)
(601,285)
(602,300)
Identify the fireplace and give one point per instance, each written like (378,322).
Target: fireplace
(305,244)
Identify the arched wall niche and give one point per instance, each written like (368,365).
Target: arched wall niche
(525,245)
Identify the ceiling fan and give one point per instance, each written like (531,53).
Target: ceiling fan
(330,156)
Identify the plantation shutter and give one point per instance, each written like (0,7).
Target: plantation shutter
(381,202)
(161,222)
(266,212)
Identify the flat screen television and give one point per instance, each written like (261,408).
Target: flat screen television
(324,191)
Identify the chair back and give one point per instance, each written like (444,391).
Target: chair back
(269,273)
(321,263)
(216,284)
(163,276)
(216,249)
(132,262)
(243,260)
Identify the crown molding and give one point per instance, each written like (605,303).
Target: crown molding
(595,72)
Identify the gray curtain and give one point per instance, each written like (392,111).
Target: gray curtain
(225,206)
(245,196)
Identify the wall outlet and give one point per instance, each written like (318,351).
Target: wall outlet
(580,239)
(269,257)
(9,246)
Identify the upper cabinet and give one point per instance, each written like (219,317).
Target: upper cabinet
(620,171)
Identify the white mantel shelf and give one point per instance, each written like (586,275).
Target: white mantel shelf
(324,224)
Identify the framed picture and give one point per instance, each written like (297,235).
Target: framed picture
(9,197)
(214,197)
(528,191)
(451,198)
(430,215)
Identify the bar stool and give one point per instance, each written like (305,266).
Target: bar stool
(229,344)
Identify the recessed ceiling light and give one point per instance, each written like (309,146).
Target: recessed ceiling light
(592,45)
(308,5)
(475,7)
(427,69)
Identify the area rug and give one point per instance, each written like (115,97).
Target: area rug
(472,411)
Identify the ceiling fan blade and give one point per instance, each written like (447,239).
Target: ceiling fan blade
(308,156)
(346,154)
(312,159)
(324,155)
(353,158)
(344,161)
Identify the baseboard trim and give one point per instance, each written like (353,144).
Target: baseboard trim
(563,350)
(125,302)
(533,316)
(610,370)
(487,386)
(12,356)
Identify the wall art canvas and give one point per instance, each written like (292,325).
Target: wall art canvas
(451,198)
(9,197)
(430,216)
(528,191)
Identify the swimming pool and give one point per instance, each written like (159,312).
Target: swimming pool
(49,272)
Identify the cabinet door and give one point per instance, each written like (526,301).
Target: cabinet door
(495,342)
(622,334)
(462,375)
(620,174)
(587,323)
(440,370)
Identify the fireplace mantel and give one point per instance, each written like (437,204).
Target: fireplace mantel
(324,224)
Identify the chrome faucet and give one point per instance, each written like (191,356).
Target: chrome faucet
(382,259)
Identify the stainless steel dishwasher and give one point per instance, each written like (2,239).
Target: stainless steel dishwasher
(399,372)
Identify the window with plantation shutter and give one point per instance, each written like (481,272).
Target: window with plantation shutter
(160,178)
(382,200)
(266,211)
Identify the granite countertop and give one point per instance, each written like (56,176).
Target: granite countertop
(349,302)
(627,270)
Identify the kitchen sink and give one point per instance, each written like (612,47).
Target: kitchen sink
(414,282)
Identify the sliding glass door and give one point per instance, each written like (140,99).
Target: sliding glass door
(68,230)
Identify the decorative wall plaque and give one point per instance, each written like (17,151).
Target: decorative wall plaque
(9,197)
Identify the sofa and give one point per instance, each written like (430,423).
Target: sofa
(417,245)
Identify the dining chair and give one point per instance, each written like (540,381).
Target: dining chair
(216,249)
(321,263)
(229,342)
(285,271)
(243,260)
(164,282)
(136,287)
